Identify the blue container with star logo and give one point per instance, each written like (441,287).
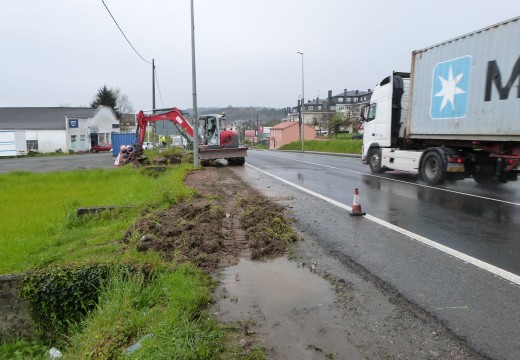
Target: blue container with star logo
(466,88)
(450,89)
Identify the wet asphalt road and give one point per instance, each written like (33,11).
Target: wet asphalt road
(103,160)
(474,303)
(481,222)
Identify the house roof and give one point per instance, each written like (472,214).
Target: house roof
(284,125)
(353,93)
(288,124)
(41,118)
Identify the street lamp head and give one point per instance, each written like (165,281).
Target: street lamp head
(299,52)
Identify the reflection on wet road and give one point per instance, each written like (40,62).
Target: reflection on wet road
(483,222)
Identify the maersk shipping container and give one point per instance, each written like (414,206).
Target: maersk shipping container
(121,139)
(468,87)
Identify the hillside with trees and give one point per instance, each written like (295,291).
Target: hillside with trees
(266,116)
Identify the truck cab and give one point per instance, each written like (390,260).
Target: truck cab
(385,119)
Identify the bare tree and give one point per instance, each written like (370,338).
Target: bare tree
(123,103)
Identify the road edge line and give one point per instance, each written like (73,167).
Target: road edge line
(504,274)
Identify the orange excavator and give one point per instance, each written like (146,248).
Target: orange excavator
(215,140)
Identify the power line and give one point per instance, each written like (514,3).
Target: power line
(124,33)
(159,88)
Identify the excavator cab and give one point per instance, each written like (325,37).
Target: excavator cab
(210,129)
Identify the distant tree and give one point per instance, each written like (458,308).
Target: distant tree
(123,103)
(336,122)
(104,96)
(113,98)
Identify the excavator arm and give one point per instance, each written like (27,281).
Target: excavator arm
(175,116)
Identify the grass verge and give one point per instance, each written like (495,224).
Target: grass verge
(38,221)
(163,318)
(342,144)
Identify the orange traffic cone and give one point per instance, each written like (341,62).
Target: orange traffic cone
(356,206)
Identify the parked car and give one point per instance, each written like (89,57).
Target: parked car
(147,145)
(98,148)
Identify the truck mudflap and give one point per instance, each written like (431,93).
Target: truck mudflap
(222,153)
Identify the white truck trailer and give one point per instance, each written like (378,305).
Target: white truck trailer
(12,143)
(455,115)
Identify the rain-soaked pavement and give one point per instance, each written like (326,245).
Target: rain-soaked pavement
(482,222)
(475,303)
(103,160)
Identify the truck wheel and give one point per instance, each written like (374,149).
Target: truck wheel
(374,160)
(433,169)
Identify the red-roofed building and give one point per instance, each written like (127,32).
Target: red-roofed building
(288,132)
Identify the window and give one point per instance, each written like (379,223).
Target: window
(332,108)
(32,145)
(310,107)
(73,142)
(356,99)
(82,142)
(349,99)
(372,112)
(340,99)
(319,108)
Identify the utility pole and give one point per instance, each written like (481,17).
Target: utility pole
(154,130)
(303,105)
(153,84)
(194,82)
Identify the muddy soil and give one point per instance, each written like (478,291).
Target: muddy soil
(309,307)
(225,220)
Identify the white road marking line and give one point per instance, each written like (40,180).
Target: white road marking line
(515,279)
(400,181)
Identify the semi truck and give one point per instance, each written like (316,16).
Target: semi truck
(455,115)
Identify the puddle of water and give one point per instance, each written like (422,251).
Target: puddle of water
(292,308)
(274,286)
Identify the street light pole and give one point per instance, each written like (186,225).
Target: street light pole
(303,104)
(194,83)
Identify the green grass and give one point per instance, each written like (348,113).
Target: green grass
(22,350)
(171,308)
(342,144)
(38,212)
(39,227)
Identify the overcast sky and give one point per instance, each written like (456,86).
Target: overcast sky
(60,52)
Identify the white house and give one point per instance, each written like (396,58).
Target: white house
(66,128)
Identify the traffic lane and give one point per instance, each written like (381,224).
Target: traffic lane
(509,192)
(482,228)
(58,163)
(478,227)
(506,192)
(475,304)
